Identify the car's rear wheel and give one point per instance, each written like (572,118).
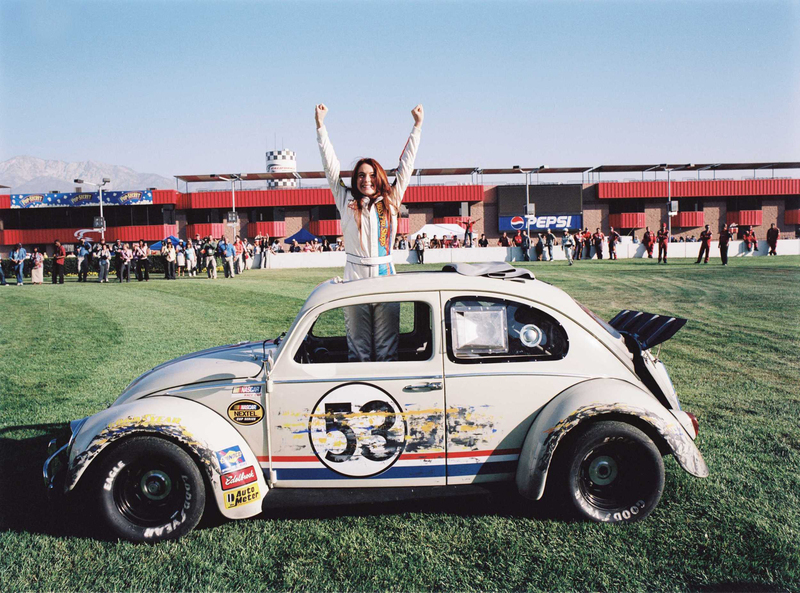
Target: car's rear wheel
(613,473)
(149,490)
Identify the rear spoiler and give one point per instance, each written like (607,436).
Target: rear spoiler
(648,329)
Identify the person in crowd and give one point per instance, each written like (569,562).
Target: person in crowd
(402,243)
(295,247)
(325,245)
(773,234)
(141,264)
(662,238)
(587,242)
(419,247)
(307,248)
(503,241)
(613,239)
(635,239)
(209,255)
(17,257)
(116,252)
(238,259)
(705,244)
(468,223)
(170,258)
(127,259)
(265,251)
(37,266)
(180,259)
(455,243)
(724,240)
(682,239)
(230,260)
(516,240)
(191,258)
(103,256)
(577,241)
(483,241)
(81,253)
(567,244)
(648,240)
(538,249)
(447,241)
(526,246)
(369,210)
(753,241)
(549,243)
(2,273)
(598,238)
(59,256)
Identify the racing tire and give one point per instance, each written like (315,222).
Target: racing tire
(613,473)
(149,490)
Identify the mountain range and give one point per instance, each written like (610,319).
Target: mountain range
(27,174)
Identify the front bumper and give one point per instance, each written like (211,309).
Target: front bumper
(55,466)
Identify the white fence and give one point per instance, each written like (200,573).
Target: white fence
(625,250)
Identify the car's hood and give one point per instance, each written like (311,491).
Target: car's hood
(235,361)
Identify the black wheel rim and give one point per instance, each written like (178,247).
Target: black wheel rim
(615,475)
(150,493)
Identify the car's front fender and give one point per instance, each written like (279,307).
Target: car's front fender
(590,399)
(201,431)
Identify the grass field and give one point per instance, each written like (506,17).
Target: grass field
(67,351)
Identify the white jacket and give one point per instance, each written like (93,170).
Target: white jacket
(373,247)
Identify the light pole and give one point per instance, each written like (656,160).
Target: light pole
(669,169)
(233,179)
(100,187)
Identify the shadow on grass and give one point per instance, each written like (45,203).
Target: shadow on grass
(24,504)
(26,507)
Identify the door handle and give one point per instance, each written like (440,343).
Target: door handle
(432,386)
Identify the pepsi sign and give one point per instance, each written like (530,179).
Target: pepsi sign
(541,223)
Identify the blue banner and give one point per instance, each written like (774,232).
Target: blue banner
(71,200)
(541,223)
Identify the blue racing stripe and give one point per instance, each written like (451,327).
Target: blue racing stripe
(323,473)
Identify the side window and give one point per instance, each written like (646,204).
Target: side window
(481,330)
(394,331)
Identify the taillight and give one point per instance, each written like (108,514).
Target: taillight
(695,423)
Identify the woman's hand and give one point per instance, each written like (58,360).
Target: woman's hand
(418,115)
(319,114)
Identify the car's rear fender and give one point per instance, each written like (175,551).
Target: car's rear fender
(588,401)
(200,431)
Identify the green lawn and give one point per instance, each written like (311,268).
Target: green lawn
(67,351)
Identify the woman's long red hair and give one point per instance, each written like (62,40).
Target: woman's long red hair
(382,188)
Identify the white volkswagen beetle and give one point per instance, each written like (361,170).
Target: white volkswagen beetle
(498,377)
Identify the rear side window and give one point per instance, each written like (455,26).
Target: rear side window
(481,330)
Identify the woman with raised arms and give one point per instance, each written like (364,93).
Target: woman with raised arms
(369,211)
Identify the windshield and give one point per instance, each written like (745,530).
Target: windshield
(602,322)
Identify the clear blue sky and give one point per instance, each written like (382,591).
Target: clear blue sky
(199,87)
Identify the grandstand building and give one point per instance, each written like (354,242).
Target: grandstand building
(282,210)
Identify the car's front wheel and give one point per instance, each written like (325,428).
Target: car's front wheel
(149,490)
(613,473)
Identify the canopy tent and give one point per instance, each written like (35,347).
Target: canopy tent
(302,236)
(440,230)
(157,245)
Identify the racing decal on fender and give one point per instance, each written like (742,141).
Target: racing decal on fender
(242,496)
(246,390)
(246,412)
(230,459)
(357,430)
(239,478)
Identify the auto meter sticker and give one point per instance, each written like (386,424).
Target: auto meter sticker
(246,390)
(238,478)
(242,496)
(357,430)
(246,412)
(230,459)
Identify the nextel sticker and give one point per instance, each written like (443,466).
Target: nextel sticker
(246,412)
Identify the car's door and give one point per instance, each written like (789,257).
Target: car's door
(504,359)
(335,423)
